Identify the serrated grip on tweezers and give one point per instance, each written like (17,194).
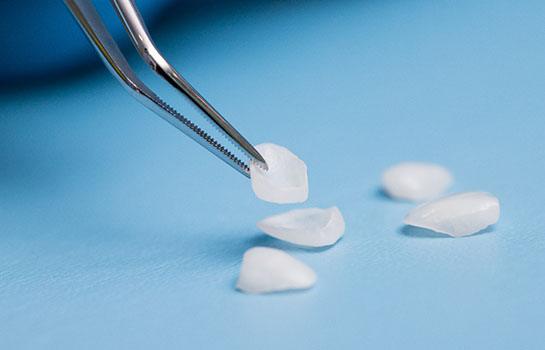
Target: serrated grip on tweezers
(88,18)
(138,32)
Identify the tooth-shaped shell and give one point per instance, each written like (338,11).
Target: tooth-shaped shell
(312,227)
(266,270)
(286,180)
(457,215)
(416,181)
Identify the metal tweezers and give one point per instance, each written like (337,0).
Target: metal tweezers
(91,23)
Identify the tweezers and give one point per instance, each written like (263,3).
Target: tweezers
(92,25)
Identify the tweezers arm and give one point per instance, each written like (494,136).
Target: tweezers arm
(88,18)
(135,26)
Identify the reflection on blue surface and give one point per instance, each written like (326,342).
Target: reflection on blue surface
(119,232)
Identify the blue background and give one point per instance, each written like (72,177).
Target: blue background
(40,39)
(116,231)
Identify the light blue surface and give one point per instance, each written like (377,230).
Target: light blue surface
(117,232)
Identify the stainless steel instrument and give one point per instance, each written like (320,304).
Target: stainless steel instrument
(91,23)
